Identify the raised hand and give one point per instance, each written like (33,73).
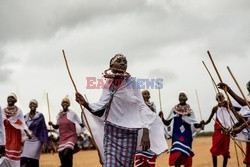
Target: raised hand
(80,99)
(161,115)
(223,86)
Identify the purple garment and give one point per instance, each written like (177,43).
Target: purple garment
(39,129)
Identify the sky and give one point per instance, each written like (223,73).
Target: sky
(161,39)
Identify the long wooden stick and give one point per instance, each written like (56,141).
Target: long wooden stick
(215,68)
(197,98)
(238,87)
(159,93)
(214,84)
(239,117)
(47,97)
(71,78)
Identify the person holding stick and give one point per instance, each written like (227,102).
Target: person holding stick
(146,158)
(181,151)
(124,113)
(220,140)
(68,124)
(32,147)
(14,132)
(242,127)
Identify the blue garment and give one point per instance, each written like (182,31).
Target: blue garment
(182,137)
(38,128)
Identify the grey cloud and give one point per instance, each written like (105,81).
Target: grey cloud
(40,19)
(138,28)
(4,72)
(167,75)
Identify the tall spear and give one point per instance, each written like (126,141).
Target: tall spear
(71,78)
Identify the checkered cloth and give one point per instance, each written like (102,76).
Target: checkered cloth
(119,145)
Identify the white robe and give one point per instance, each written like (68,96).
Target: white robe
(226,117)
(127,110)
(244,135)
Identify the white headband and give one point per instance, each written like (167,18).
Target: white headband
(34,101)
(13,95)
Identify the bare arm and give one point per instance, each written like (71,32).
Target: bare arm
(211,115)
(240,100)
(240,128)
(53,125)
(200,125)
(80,99)
(166,122)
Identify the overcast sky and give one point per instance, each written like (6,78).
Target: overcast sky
(162,39)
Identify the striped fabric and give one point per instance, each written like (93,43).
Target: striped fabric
(12,154)
(66,145)
(13,142)
(145,159)
(180,147)
(119,145)
(67,133)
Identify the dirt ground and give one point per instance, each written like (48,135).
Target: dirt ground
(202,158)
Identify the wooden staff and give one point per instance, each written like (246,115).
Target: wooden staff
(71,78)
(233,110)
(227,97)
(197,98)
(238,87)
(159,92)
(47,97)
(214,84)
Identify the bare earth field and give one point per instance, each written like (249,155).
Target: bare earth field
(202,158)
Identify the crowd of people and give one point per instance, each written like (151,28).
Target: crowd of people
(127,130)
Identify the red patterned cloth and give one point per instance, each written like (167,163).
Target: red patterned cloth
(185,160)
(13,141)
(145,159)
(247,158)
(220,142)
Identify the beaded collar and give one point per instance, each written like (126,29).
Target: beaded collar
(11,111)
(182,110)
(115,73)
